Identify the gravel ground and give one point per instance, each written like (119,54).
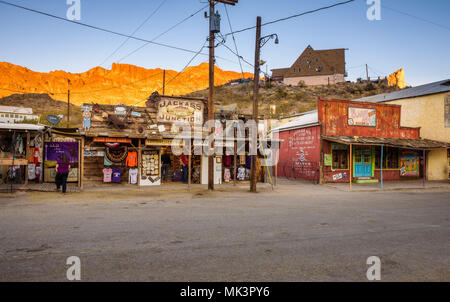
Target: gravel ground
(299,232)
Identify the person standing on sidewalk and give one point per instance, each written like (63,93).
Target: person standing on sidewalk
(165,164)
(184,166)
(62,172)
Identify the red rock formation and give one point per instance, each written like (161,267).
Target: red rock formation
(123,83)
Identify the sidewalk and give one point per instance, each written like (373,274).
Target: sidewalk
(392,186)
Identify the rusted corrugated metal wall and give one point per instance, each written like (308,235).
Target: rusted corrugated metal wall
(333,115)
(300,153)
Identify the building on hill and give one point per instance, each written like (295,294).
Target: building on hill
(10,114)
(428,107)
(314,67)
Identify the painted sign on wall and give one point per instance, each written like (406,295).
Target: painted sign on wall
(362,116)
(171,111)
(409,165)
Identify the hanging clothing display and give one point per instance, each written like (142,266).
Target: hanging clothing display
(227,160)
(241,173)
(116,155)
(226,175)
(31,171)
(107,175)
(106,162)
(38,172)
(116,175)
(131,159)
(133,175)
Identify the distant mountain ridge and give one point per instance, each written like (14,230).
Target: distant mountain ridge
(123,83)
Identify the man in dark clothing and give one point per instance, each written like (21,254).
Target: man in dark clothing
(184,166)
(165,164)
(62,172)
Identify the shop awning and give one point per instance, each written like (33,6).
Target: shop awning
(421,144)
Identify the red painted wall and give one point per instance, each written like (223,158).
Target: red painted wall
(333,114)
(300,153)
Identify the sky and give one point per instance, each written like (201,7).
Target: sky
(419,42)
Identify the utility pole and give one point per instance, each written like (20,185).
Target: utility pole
(164,82)
(367,73)
(68,103)
(214,27)
(255,101)
(211,92)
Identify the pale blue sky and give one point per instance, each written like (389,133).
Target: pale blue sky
(44,44)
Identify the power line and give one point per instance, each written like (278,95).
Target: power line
(139,27)
(176,76)
(163,33)
(99,28)
(293,16)
(234,40)
(416,17)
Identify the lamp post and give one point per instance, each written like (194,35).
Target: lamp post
(260,42)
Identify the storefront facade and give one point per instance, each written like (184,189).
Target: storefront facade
(361,142)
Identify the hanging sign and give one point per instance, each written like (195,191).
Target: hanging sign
(173,110)
(327,159)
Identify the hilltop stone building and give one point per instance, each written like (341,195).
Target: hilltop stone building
(314,67)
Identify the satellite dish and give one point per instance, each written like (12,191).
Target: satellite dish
(54,119)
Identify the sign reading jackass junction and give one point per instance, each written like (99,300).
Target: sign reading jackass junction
(171,111)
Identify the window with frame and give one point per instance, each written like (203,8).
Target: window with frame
(390,158)
(340,159)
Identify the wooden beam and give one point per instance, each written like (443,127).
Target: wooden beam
(27,155)
(81,172)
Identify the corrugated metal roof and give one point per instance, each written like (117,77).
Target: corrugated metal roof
(21,127)
(391,142)
(310,118)
(17,110)
(427,89)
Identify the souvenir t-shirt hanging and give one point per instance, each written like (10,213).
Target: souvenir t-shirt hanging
(226,175)
(106,162)
(31,171)
(116,174)
(132,175)
(131,159)
(241,173)
(107,174)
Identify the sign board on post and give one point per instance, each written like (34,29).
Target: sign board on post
(171,111)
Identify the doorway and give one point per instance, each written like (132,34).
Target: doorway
(363,162)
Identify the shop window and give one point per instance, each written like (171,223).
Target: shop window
(340,159)
(294,69)
(390,158)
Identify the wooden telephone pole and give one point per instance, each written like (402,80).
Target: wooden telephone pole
(211,91)
(253,175)
(164,82)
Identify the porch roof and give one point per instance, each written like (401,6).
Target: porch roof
(422,144)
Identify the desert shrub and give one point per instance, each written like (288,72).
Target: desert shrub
(301,84)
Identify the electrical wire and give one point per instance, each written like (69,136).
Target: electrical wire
(163,33)
(99,28)
(293,16)
(234,40)
(138,28)
(416,17)
(180,72)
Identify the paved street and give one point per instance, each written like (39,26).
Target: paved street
(299,232)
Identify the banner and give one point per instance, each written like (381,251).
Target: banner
(54,150)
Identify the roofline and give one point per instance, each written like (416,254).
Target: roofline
(296,127)
(404,98)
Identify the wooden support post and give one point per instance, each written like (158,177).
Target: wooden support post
(235,158)
(189,169)
(351,167)
(381,161)
(81,165)
(276,168)
(140,162)
(41,152)
(211,91)
(27,155)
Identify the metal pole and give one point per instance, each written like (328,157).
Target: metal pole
(211,93)
(235,158)
(351,166)
(367,73)
(424,168)
(382,147)
(255,100)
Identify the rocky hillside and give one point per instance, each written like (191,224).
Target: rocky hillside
(122,83)
(291,99)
